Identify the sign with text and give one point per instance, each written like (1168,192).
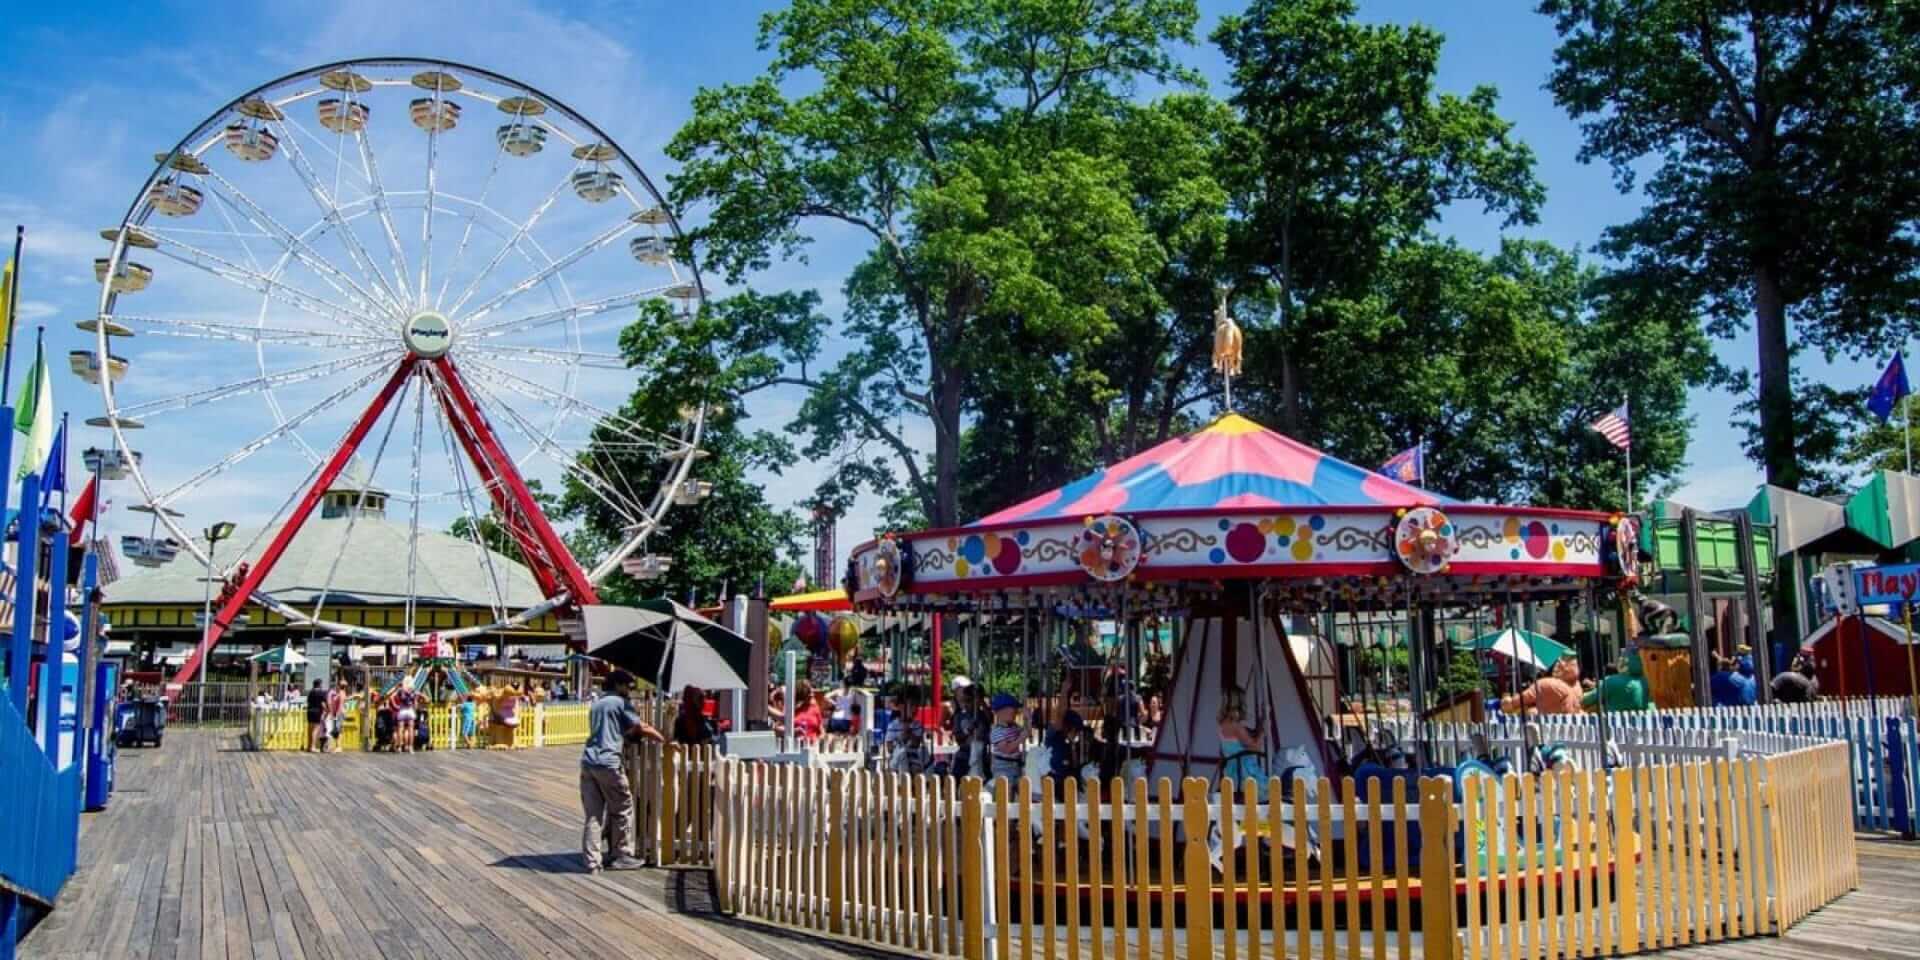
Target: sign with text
(1895,584)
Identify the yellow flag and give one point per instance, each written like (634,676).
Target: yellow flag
(6,303)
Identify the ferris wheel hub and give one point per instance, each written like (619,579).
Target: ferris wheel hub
(427,334)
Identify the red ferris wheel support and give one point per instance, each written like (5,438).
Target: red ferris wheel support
(552,564)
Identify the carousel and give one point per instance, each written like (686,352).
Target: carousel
(1235,537)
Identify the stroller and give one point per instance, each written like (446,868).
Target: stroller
(383,729)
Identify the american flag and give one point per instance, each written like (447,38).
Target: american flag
(1613,426)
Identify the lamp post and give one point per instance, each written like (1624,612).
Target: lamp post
(214,534)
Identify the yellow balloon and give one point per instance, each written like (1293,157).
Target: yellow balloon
(843,634)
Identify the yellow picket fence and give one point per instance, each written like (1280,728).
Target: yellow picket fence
(546,724)
(1573,864)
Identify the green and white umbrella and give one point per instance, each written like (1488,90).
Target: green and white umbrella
(281,656)
(1521,646)
(668,645)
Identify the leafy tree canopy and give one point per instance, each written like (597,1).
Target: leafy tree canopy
(1777,145)
(954,135)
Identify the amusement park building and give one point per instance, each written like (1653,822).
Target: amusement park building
(158,609)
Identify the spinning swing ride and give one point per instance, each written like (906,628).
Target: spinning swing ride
(341,240)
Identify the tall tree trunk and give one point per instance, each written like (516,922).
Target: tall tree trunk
(946,448)
(1779,446)
(1289,373)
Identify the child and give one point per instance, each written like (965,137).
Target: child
(468,722)
(1007,749)
(1242,754)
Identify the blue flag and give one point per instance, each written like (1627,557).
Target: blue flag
(1408,466)
(1891,388)
(53,475)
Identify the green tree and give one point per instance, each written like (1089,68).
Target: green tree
(734,539)
(492,529)
(1503,362)
(1346,152)
(1780,148)
(952,136)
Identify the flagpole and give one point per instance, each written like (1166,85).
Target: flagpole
(1626,404)
(13,306)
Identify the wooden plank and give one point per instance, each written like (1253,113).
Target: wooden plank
(1198,879)
(1376,855)
(1350,915)
(1117,868)
(1049,853)
(1552,858)
(1096,899)
(1402,911)
(1070,817)
(1002,873)
(1165,801)
(1030,901)
(1230,925)
(974,924)
(1324,807)
(1143,934)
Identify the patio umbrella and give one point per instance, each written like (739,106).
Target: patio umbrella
(669,645)
(282,656)
(1520,646)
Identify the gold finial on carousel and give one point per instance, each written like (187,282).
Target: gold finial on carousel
(1227,342)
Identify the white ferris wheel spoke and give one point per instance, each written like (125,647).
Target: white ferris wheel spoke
(512,243)
(426,217)
(371,168)
(567,404)
(248,333)
(469,504)
(561,315)
(272,287)
(549,356)
(196,398)
(360,501)
(413,520)
(466,235)
(298,248)
(563,458)
(540,276)
(328,201)
(264,440)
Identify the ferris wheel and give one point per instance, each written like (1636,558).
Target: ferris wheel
(337,276)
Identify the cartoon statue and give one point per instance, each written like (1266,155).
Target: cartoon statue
(1622,692)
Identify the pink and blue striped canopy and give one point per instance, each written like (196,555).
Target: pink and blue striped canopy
(1232,462)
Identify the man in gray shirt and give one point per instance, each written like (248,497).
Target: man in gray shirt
(603,782)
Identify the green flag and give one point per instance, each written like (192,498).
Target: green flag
(34,414)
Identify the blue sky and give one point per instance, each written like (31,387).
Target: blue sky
(90,91)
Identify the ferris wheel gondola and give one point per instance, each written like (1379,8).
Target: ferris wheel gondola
(338,242)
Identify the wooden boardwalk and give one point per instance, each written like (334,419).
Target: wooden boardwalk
(211,852)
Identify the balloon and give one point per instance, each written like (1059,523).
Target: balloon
(843,634)
(774,636)
(811,630)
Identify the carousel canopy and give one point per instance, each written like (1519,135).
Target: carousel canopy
(1236,501)
(1231,462)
